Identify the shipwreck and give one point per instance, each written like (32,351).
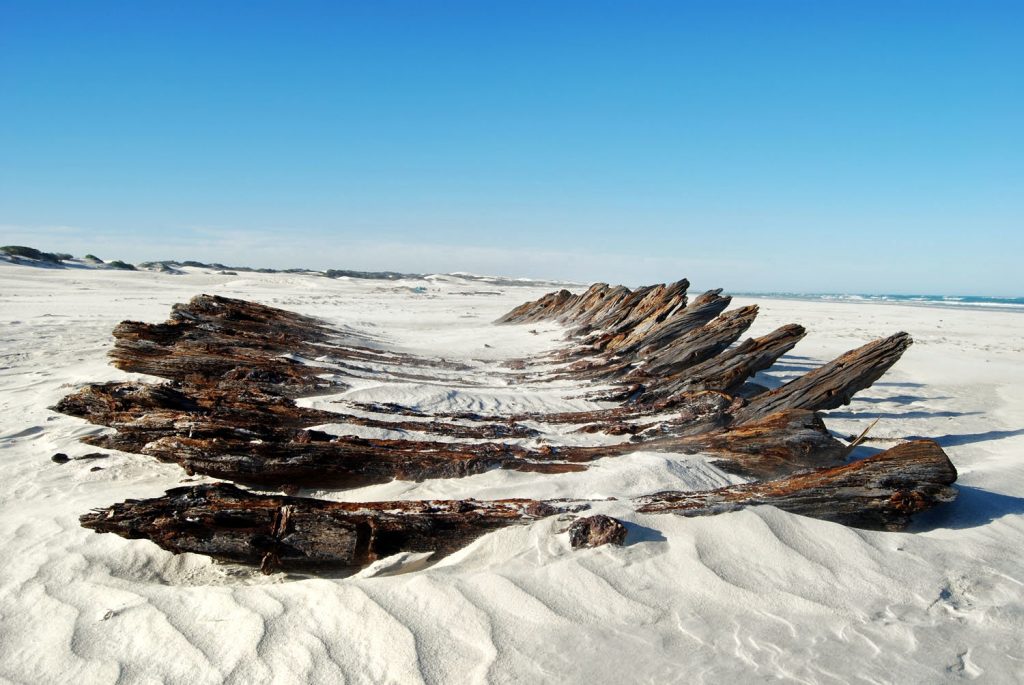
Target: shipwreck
(671,374)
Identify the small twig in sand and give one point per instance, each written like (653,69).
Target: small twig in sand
(860,438)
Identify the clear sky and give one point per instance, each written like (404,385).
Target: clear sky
(812,146)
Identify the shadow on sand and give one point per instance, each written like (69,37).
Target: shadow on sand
(636,533)
(897,414)
(900,399)
(952,440)
(972,507)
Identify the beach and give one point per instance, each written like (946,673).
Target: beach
(751,595)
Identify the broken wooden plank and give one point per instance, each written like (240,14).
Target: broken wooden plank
(833,384)
(881,492)
(231,342)
(264,440)
(278,532)
(159,410)
(698,345)
(726,372)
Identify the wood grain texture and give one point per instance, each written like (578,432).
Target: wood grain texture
(881,492)
(278,532)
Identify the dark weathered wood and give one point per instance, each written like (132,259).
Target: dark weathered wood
(726,372)
(881,492)
(833,384)
(594,531)
(777,445)
(236,343)
(652,304)
(218,337)
(263,440)
(294,533)
(297,533)
(143,412)
(697,345)
(228,411)
(685,348)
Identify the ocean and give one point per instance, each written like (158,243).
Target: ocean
(974,301)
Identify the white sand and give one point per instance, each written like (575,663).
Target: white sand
(744,597)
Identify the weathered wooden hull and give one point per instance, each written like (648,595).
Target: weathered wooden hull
(227,410)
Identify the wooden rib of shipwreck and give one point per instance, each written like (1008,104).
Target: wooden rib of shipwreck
(229,410)
(295,533)
(880,492)
(298,533)
(676,371)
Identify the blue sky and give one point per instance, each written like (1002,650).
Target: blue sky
(805,146)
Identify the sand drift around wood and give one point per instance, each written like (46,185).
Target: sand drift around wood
(672,374)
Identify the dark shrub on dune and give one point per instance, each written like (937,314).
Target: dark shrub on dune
(124,266)
(370,275)
(33,253)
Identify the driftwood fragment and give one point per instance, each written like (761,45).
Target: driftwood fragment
(597,530)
